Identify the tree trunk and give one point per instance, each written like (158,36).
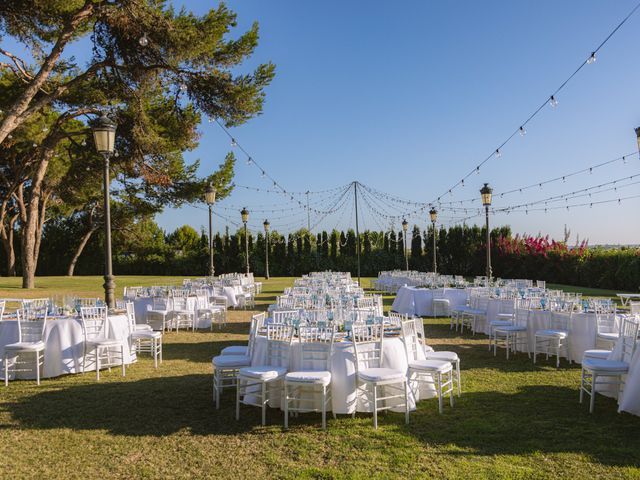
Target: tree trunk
(7,235)
(79,250)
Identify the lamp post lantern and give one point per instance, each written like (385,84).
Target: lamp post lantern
(433,214)
(638,136)
(210,199)
(104,138)
(244,214)
(405,227)
(266,249)
(486,192)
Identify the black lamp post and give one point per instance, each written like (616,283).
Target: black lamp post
(244,213)
(638,135)
(210,199)
(433,214)
(486,192)
(405,227)
(104,137)
(266,249)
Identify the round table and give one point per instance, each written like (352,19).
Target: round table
(64,345)
(342,367)
(418,301)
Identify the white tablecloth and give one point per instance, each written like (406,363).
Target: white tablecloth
(64,344)
(343,387)
(417,301)
(142,304)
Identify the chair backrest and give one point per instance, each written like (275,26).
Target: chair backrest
(35,303)
(30,326)
(629,334)
(257,322)
(410,339)
(87,302)
(94,321)
(2,305)
(279,338)
(160,303)
(522,317)
(316,347)
(560,320)
(607,323)
(541,284)
(367,345)
(365,302)
(180,303)
(131,316)
(284,316)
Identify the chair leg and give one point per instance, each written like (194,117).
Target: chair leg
(154,345)
(324,407)
(593,392)
(535,349)
(375,407)
(406,401)
(439,390)
(286,406)
(124,372)
(264,403)
(581,385)
(38,368)
(97,357)
(237,398)
(6,370)
(458,377)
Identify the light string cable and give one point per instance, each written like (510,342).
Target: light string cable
(549,101)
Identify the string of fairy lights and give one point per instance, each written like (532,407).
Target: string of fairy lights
(316,208)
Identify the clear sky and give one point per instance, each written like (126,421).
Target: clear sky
(407,97)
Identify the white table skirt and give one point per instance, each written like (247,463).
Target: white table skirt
(418,301)
(64,345)
(343,387)
(583,327)
(142,304)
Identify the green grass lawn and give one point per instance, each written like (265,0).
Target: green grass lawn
(514,420)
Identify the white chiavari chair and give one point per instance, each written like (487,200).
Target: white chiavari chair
(157,314)
(31,325)
(515,335)
(439,373)
(253,382)
(181,315)
(94,326)
(285,316)
(555,338)
(371,375)
(313,375)
(612,372)
(144,340)
(440,306)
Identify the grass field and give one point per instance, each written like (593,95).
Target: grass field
(514,420)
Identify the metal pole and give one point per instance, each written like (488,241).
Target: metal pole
(435,267)
(246,245)
(211,268)
(266,263)
(355,193)
(488,245)
(109,284)
(406,257)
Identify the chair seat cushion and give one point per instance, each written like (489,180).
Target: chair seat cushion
(427,349)
(505,316)
(510,329)
(474,311)
(431,365)
(142,327)
(263,373)
(500,323)
(441,300)
(105,342)
(25,346)
(598,365)
(552,333)
(146,334)
(235,350)
(445,355)
(461,308)
(319,378)
(596,353)
(380,374)
(231,361)
(609,336)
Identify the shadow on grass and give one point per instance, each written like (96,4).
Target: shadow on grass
(534,419)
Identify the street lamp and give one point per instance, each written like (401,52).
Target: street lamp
(486,192)
(638,135)
(210,199)
(405,227)
(104,137)
(244,213)
(266,248)
(433,213)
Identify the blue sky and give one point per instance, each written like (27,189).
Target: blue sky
(408,97)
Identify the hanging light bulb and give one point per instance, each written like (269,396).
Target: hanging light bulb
(592,58)
(591,205)
(143,40)
(83,143)
(462,184)
(545,210)
(498,153)
(526,212)
(624,160)
(553,102)
(540,186)
(478,170)
(590,170)
(564,180)
(249,160)
(263,174)
(501,195)
(233,142)
(522,131)
(567,208)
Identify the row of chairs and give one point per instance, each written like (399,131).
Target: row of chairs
(254,383)
(106,351)
(175,313)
